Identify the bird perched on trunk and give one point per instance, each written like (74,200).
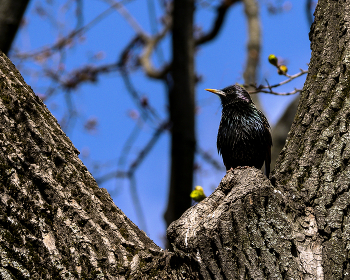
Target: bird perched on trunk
(244,137)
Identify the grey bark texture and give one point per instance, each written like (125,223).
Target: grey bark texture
(56,223)
(241,231)
(313,168)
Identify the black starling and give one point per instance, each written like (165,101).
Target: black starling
(244,137)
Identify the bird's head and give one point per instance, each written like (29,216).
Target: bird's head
(232,94)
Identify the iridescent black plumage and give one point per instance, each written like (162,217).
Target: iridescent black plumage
(244,137)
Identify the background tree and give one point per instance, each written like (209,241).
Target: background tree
(11,13)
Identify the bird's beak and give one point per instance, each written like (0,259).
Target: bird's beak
(216,91)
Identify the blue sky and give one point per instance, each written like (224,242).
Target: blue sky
(220,63)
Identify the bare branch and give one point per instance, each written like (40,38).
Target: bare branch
(280,93)
(66,122)
(128,17)
(141,156)
(87,73)
(111,175)
(268,88)
(128,144)
(79,13)
(62,42)
(150,45)
(251,9)
(209,159)
(151,42)
(137,203)
(142,104)
(220,16)
(143,153)
(291,77)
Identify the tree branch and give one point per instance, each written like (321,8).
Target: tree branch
(269,88)
(220,16)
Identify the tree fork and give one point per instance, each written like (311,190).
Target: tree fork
(56,222)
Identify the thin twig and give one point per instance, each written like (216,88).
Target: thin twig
(140,157)
(48,50)
(143,153)
(128,145)
(137,203)
(220,16)
(111,175)
(269,88)
(281,93)
(128,17)
(209,159)
(150,44)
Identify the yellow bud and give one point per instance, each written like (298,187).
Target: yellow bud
(282,70)
(198,194)
(273,59)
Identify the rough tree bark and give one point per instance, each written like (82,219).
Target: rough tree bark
(57,223)
(313,168)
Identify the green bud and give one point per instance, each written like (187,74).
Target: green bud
(198,194)
(282,70)
(273,59)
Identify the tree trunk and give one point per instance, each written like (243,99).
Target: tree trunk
(57,223)
(251,10)
(182,111)
(11,13)
(55,220)
(313,168)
